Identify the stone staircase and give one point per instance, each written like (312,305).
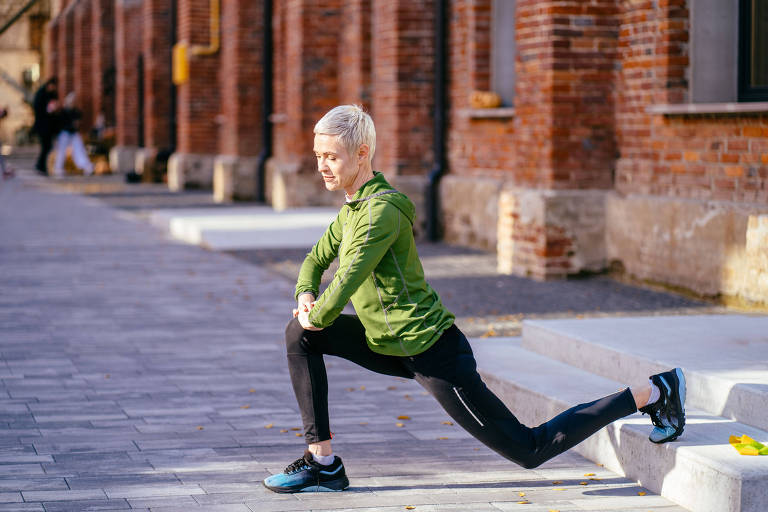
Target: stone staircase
(559,363)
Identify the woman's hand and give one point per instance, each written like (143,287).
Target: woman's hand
(306,303)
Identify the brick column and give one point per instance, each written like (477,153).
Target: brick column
(355,53)
(198,103)
(103,59)
(128,35)
(83,59)
(52,55)
(66,51)
(157,41)
(403,70)
(240,82)
(306,87)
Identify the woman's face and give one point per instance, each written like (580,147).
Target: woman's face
(338,167)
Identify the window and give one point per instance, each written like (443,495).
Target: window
(503,50)
(753,50)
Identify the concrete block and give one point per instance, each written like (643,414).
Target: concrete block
(122,159)
(469,210)
(291,185)
(700,471)
(234,178)
(724,357)
(190,171)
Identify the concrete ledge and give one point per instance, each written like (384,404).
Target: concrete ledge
(725,357)
(700,471)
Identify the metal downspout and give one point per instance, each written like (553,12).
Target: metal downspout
(266,109)
(438,169)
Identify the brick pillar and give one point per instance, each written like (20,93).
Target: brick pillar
(83,60)
(52,55)
(564,137)
(66,51)
(198,103)
(355,53)
(306,87)
(157,41)
(241,84)
(103,59)
(128,35)
(403,70)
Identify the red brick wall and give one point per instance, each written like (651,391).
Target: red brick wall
(706,157)
(306,81)
(128,34)
(476,146)
(198,98)
(355,53)
(83,47)
(156,47)
(241,77)
(403,71)
(103,59)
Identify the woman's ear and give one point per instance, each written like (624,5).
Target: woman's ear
(362,153)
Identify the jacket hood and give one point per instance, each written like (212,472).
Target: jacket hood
(379,187)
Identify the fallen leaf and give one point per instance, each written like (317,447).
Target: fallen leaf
(521,494)
(442,438)
(403,417)
(362,388)
(251,390)
(268,425)
(595,479)
(299,434)
(447,423)
(391,388)
(283,430)
(524,502)
(408,397)
(363,422)
(641,493)
(399,424)
(409,507)
(199,428)
(556,482)
(553,510)
(295,428)
(559,488)
(583,483)
(589,474)
(245,406)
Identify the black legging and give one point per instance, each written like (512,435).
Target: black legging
(46,144)
(448,371)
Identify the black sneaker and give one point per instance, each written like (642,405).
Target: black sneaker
(306,475)
(668,412)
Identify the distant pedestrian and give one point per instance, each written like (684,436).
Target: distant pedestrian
(69,138)
(45,105)
(6,169)
(402,328)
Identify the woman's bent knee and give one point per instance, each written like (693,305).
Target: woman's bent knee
(294,333)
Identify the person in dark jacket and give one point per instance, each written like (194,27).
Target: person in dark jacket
(69,139)
(45,105)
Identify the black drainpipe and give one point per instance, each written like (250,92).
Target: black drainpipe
(172,111)
(266,109)
(438,169)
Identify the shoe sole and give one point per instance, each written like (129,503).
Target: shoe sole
(679,384)
(331,486)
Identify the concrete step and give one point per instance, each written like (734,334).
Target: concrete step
(699,471)
(725,357)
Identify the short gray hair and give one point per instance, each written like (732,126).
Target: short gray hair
(352,125)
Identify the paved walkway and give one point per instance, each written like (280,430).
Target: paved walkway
(140,373)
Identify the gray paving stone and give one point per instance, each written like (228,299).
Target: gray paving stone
(67,495)
(10,497)
(86,505)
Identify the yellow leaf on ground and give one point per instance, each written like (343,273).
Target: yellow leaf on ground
(295,428)
(559,488)
(403,417)
(641,493)
(362,388)
(199,428)
(299,434)
(245,406)
(363,422)
(409,507)
(553,510)
(268,425)
(283,430)
(399,424)
(447,423)
(251,390)
(521,494)
(556,482)
(589,474)
(442,438)
(583,483)
(524,502)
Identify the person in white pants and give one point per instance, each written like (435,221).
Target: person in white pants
(69,137)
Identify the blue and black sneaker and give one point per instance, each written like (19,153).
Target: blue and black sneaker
(306,475)
(668,412)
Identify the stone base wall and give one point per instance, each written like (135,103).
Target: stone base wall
(234,178)
(190,171)
(469,210)
(709,247)
(551,233)
(122,159)
(287,186)
(414,187)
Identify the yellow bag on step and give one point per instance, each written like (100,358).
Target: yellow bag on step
(745,445)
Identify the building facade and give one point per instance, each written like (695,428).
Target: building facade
(629,133)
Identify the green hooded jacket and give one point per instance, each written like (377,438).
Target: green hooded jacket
(379,270)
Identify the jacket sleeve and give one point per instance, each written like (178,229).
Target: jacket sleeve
(319,259)
(375,231)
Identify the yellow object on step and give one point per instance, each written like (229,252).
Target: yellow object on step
(745,445)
